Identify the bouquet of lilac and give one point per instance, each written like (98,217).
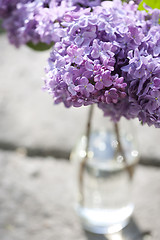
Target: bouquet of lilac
(109,56)
(104,53)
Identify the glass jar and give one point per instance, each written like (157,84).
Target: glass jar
(104,178)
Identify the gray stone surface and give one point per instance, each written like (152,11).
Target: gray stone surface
(28,117)
(36,201)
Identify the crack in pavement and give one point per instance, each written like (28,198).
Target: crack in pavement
(61,154)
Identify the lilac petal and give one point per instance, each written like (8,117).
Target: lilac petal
(113,92)
(86,42)
(155,94)
(84,81)
(80,51)
(93,20)
(157,82)
(141,83)
(60,63)
(79,40)
(151,106)
(71,89)
(98,78)
(90,87)
(99,85)
(107,81)
(89,66)
(68,78)
(106,46)
(108,99)
(87,74)
(95,53)
(78,60)
(137,53)
(91,35)
(73,29)
(77,88)
(83,22)
(156,51)
(101,26)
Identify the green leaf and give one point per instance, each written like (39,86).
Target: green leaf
(1,28)
(153,4)
(40,46)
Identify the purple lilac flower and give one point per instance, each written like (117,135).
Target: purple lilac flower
(117,49)
(34,21)
(37,20)
(7,7)
(84,87)
(141,72)
(88,60)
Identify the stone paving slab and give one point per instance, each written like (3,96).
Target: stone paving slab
(36,201)
(28,117)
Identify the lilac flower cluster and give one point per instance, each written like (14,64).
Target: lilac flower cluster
(109,56)
(81,65)
(141,73)
(37,20)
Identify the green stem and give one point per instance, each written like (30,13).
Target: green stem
(128,167)
(84,160)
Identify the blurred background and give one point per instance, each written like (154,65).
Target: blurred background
(36,138)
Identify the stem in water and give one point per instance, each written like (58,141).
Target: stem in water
(129,168)
(84,160)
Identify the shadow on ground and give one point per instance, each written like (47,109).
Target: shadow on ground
(131,232)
